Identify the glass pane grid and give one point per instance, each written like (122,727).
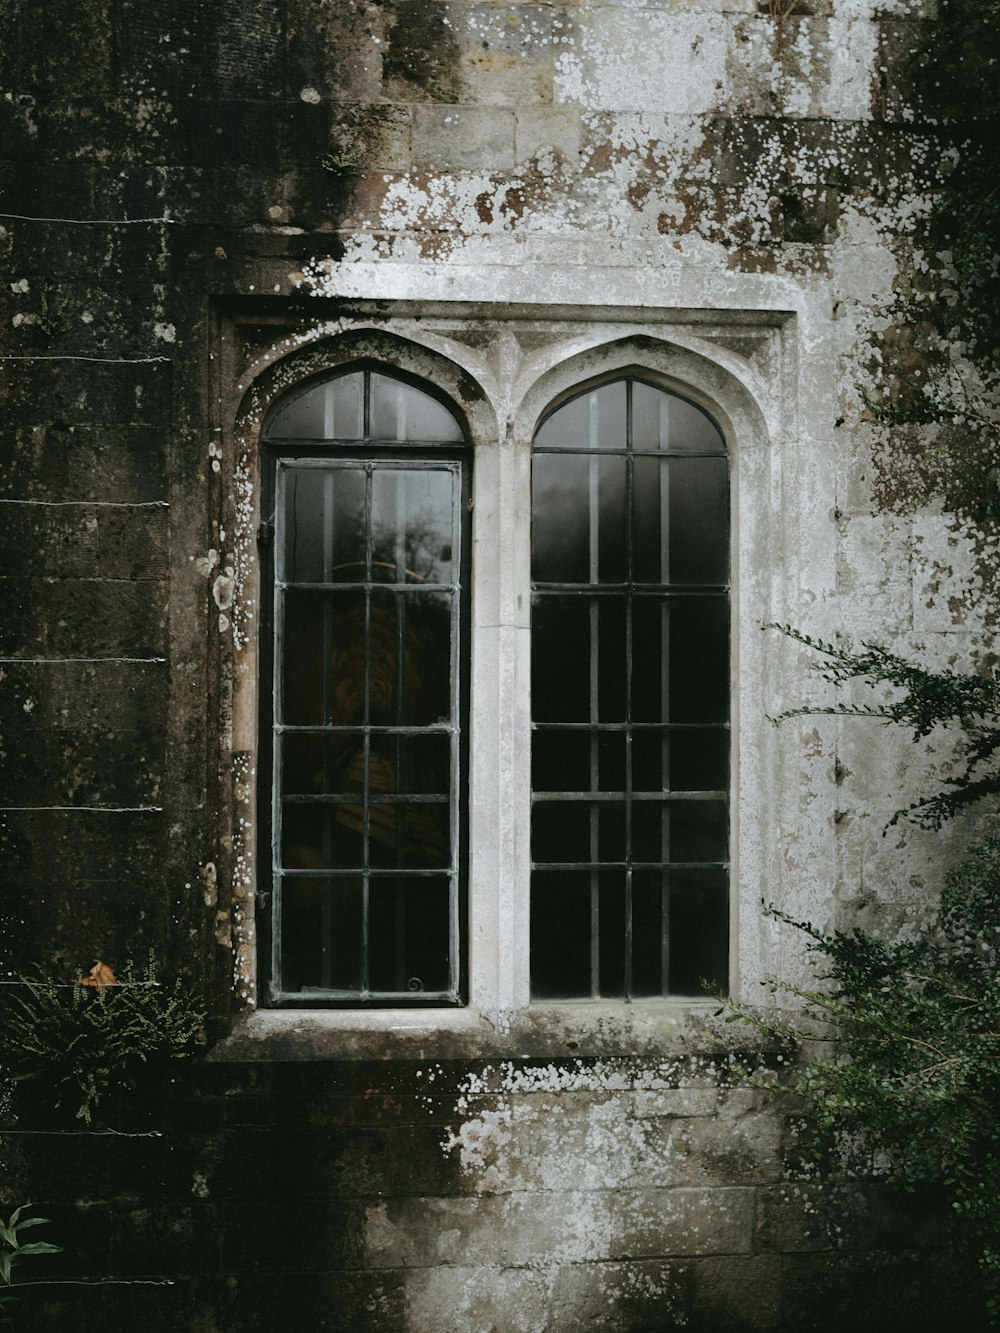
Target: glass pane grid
(365,823)
(630,734)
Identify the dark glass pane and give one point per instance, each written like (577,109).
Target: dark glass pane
(321,836)
(317,765)
(699,520)
(647,932)
(560,934)
(564,831)
(650,831)
(699,932)
(679,831)
(650,416)
(409,934)
(699,760)
(321,929)
(578,761)
(410,658)
(401,412)
(408,764)
(681,520)
(612,660)
(327,411)
(323,658)
(699,659)
(661,420)
(650,501)
(322,525)
(409,836)
(412,525)
(594,420)
(612,543)
(578,831)
(560,761)
(611,761)
(685,760)
(650,648)
(651,760)
(560,518)
(560,656)
(578,519)
(611,934)
(611,822)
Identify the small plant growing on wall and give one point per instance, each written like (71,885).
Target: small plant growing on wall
(913,1033)
(968,703)
(99,1040)
(14,1251)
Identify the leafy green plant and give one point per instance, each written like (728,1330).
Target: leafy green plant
(84,1043)
(913,1033)
(13,1252)
(928,699)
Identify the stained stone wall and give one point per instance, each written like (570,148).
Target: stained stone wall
(195,196)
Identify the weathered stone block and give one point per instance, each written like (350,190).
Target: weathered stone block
(735,1293)
(802,1216)
(453,1300)
(264,1164)
(335,50)
(827,1293)
(621,1298)
(540,131)
(79,463)
(179,1238)
(96,395)
(64,45)
(88,697)
(455,137)
(297,1235)
(81,618)
(324,1302)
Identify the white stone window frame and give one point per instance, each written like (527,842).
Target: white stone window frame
(505,367)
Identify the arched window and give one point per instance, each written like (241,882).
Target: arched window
(630,696)
(365,489)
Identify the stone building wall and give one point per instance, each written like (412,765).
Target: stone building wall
(199,200)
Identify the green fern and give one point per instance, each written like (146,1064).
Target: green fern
(82,1044)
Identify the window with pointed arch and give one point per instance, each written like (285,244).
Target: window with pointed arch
(366,480)
(630,697)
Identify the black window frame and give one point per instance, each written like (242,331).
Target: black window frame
(364,451)
(597,866)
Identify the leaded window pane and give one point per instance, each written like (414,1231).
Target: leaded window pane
(366,830)
(630,697)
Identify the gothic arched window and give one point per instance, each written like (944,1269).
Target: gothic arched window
(365,493)
(630,697)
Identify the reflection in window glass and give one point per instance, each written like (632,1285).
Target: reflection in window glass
(366,740)
(331,410)
(630,697)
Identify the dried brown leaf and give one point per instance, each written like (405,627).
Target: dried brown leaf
(99,975)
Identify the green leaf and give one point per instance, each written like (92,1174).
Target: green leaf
(40,1247)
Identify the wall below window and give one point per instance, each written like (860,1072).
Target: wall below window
(452,1196)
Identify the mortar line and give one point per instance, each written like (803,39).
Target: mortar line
(101,809)
(59,661)
(92,504)
(101,360)
(91,222)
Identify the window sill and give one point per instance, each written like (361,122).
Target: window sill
(644,1030)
